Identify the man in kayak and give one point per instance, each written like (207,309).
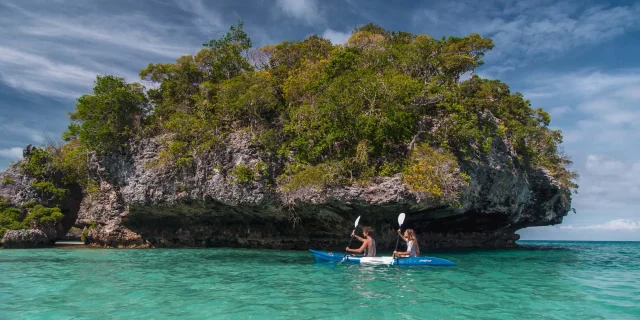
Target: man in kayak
(413,250)
(368,246)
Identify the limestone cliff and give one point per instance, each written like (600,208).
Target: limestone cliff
(142,204)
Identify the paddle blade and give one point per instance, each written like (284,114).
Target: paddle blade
(401,219)
(357,221)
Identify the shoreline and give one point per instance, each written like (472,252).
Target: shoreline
(71,244)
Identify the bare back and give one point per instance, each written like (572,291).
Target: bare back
(370,250)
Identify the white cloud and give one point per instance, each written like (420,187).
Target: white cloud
(304,10)
(613,225)
(11,153)
(49,51)
(559,111)
(18,129)
(608,185)
(31,72)
(528,30)
(603,165)
(336,37)
(604,105)
(600,135)
(134,31)
(495,71)
(629,92)
(208,21)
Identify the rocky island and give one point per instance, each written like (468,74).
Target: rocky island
(283,146)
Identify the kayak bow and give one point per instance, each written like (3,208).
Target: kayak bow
(413,261)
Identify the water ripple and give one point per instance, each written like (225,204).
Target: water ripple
(545,280)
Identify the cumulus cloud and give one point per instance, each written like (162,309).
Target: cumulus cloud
(603,105)
(304,10)
(608,186)
(336,37)
(613,225)
(11,153)
(600,134)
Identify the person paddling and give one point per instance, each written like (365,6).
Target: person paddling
(368,243)
(413,250)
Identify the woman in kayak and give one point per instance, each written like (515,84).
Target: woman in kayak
(368,243)
(413,250)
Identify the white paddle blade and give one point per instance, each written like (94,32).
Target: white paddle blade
(357,221)
(401,219)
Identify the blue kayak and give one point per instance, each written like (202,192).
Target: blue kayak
(414,261)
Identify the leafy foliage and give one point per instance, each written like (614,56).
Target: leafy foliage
(10,217)
(14,218)
(55,170)
(382,104)
(310,177)
(434,174)
(71,160)
(39,165)
(242,174)
(7,180)
(107,119)
(42,214)
(84,236)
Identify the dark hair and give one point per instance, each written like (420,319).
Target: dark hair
(368,230)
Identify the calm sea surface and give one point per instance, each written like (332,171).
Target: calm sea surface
(545,280)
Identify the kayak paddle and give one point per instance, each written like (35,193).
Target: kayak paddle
(354,230)
(400,222)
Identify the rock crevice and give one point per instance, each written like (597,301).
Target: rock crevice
(140,204)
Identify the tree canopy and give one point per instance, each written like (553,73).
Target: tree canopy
(381,104)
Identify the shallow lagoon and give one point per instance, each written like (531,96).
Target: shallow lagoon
(546,280)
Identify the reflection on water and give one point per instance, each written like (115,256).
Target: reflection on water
(545,280)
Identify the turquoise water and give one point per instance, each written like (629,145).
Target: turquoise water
(547,280)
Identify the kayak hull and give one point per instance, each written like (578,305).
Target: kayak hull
(413,261)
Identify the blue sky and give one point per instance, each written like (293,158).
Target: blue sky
(577,60)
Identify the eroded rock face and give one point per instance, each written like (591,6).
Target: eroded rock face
(145,205)
(26,239)
(16,187)
(141,205)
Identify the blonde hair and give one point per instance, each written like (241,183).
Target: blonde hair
(368,230)
(411,236)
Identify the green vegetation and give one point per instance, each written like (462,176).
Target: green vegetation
(42,214)
(107,119)
(55,169)
(242,174)
(10,217)
(7,180)
(14,218)
(39,165)
(385,103)
(434,174)
(299,177)
(85,231)
(84,235)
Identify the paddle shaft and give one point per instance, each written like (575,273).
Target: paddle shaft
(349,246)
(398,240)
